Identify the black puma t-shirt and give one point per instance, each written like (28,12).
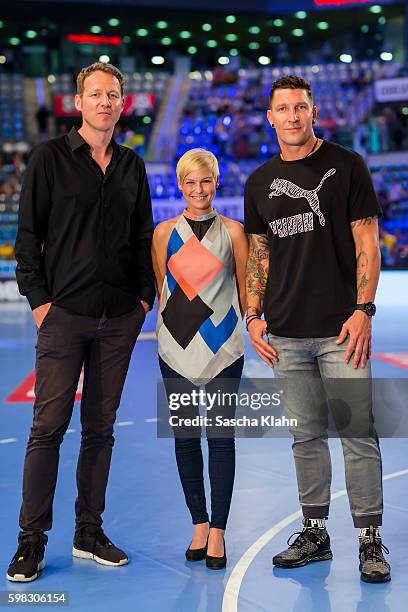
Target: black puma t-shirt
(305,207)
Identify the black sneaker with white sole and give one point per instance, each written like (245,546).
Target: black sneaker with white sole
(29,558)
(310,545)
(92,543)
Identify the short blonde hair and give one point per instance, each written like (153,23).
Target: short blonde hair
(102,67)
(197,159)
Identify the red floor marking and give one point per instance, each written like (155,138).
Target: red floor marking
(25,391)
(398,359)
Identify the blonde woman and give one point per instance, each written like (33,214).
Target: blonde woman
(199,259)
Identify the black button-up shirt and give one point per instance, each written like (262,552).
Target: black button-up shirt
(84,237)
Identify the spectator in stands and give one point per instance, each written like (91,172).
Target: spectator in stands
(396,192)
(199,260)
(42,117)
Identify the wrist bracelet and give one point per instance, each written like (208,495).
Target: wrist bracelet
(248,321)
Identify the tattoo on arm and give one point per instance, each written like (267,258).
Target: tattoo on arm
(362,276)
(366,221)
(257,267)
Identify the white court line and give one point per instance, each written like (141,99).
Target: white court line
(125,423)
(8,440)
(232,588)
(147,336)
(70,430)
(151,420)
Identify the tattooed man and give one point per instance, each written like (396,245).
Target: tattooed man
(311,214)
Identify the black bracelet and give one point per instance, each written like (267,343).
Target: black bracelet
(248,321)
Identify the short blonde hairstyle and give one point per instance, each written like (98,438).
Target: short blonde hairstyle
(102,67)
(197,159)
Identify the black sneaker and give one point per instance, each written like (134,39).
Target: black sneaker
(373,566)
(92,543)
(310,545)
(29,558)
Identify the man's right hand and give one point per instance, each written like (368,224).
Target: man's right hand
(257,330)
(40,313)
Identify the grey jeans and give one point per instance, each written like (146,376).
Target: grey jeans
(314,376)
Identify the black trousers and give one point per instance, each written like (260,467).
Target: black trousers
(66,343)
(221,450)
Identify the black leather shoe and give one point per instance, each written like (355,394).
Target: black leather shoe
(216,563)
(196,554)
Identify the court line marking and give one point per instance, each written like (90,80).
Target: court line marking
(8,440)
(233,586)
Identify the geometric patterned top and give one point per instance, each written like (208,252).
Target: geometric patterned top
(199,323)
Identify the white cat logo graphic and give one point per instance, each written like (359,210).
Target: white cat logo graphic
(282,186)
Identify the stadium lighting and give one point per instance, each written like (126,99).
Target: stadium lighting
(231,37)
(382,20)
(346,58)
(322,25)
(206,27)
(386,56)
(157,60)
(14,41)
(376,8)
(230,19)
(192,50)
(365,28)
(3,59)
(234,52)
(278,23)
(254,30)
(185,34)
(162,25)
(405,110)
(264,60)
(274,39)
(1,24)
(142,32)
(126,39)
(95,29)
(212,43)
(105,59)
(146,119)
(223,60)
(297,32)
(166,40)
(254,45)
(301,14)
(113,22)
(31,34)
(51,78)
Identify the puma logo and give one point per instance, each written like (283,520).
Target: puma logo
(282,186)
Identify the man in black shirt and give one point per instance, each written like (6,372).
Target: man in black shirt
(311,213)
(83,261)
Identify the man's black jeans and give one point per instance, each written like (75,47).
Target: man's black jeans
(66,343)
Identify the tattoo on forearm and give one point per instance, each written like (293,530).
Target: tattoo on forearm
(257,266)
(366,221)
(362,276)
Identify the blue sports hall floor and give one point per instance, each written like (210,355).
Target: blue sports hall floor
(147,516)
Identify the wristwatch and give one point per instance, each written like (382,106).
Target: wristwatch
(369,308)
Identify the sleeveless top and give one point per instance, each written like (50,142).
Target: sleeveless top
(199,323)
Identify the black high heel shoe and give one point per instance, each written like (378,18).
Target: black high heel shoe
(196,554)
(216,563)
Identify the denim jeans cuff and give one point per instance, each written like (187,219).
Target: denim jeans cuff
(366,521)
(315,511)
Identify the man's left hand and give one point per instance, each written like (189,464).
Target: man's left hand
(358,327)
(145,306)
